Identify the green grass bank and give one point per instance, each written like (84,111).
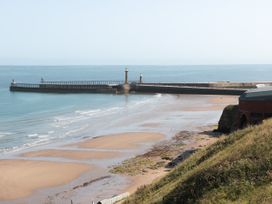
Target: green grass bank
(236,169)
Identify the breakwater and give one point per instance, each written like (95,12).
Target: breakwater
(209,88)
(188,89)
(69,87)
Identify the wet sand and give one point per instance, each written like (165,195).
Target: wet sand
(19,178)
(121,141)
(73,154)
(215,103)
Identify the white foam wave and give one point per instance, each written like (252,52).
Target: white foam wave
(34,143)
(43,136)
(98,112)
(4,134)
(51,132)
(158,95)
(81,115)
(73,131)
(34,135)
(88,112)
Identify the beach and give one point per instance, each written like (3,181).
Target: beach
(19,178)
(82,170)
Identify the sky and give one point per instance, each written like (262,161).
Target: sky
(155,32)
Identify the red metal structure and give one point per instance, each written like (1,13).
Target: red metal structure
(255,106)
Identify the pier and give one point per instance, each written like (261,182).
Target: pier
(69,86)
(126,86)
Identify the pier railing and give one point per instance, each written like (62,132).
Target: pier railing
(87,83)
(108,82)
(25,85)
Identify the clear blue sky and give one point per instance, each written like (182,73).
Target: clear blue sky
(135,31)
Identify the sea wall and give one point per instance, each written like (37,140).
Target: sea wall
(143,88)
(66,89)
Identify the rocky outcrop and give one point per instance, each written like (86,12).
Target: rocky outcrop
(229,120)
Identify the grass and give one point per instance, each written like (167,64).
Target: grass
(236,169)
(137,165)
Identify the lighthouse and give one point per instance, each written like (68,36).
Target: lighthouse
(126,76)
(126,86)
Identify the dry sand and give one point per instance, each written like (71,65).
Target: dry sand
(19,178)
(73,154)
(141,180)
(121,141)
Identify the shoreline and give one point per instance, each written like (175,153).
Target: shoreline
(104,152)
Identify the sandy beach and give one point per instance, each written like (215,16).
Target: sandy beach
(48,169)
(19,178)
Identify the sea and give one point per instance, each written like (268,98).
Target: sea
(33,119)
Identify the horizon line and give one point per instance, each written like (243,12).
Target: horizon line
(51,65)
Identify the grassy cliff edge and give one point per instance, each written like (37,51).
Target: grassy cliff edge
(237,169)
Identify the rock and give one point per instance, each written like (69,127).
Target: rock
(229,120)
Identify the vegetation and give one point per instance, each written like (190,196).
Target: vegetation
(236,169)
(137,165)
(154,159)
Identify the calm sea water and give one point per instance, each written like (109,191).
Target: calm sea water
(30,119)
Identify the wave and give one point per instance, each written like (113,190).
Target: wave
(98,112)
(51,132)
(81,115)
(34,135)
(4,134)
(88,112)
(66,120)
(78,123)
(43,139)
(158,95)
